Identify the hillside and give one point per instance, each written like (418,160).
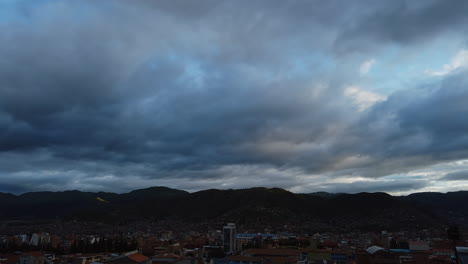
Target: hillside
(255,206)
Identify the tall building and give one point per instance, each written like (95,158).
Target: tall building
(229,238)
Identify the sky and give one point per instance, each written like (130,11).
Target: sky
(309,96)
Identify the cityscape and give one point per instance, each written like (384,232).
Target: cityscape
(229,245)
(325,228)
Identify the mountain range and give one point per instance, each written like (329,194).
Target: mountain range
(254,206)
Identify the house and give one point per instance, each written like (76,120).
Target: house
(418,246)
(379,255)
(33,257)
(87,258)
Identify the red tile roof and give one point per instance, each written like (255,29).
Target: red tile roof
(138,257)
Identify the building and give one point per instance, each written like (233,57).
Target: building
(379,255)
(165,258)
(229,238)
(33,257)
(244,260)
(418,246)
(244,239)
(135,258)
(462,255)
(318,255)
(88,258)
(275,255)
(252,239)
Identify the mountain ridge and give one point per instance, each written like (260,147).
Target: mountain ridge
(250,206)
(248,188)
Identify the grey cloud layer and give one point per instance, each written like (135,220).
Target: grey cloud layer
(119,95)
(456,176)
(366,186)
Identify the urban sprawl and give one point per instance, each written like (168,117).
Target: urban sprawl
(226,243)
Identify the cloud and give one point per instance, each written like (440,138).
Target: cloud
(366,66)
(456,176)
(459,61)
(122,95)
(362,98)
(402,23)
(397,185)
(389,186)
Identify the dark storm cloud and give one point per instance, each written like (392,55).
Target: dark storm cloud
(404,22)
(456,176)
(120,95)
(6,187)
(74,95)
(416,127)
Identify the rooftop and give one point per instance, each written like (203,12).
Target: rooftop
(138,257)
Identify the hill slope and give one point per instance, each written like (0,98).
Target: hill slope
(255,206)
